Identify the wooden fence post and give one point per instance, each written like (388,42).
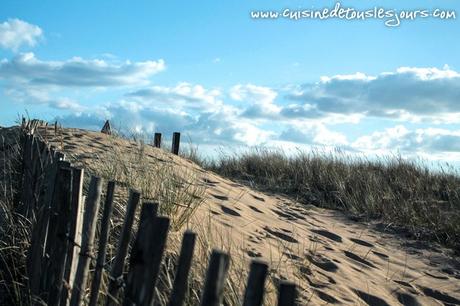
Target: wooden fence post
(36,259)
(58,251)
(74,233)
(88,232)
(50,240)
(116,272)
(139,253)
(157,140)
(215,279)
(27,157)
(103,238)
(254,294)
(180,285)
(175,143)
(41,169)
(36,173)
(287,294)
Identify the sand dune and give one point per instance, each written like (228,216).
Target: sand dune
(333,259)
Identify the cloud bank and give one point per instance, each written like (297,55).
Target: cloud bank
(77,72)
(15,33)
(414,94)
(421,104)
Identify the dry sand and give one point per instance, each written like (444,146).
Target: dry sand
(332,259)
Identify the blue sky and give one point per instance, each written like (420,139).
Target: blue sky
(208,69)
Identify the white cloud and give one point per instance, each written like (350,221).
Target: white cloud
(77,72)
(37,95)
(251,135)
(312,134)
(183,95)
(408,94)
(15,33)
(424,140)
(259,100)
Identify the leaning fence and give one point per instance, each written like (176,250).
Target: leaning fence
(62,243)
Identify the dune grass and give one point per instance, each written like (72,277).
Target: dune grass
(14,228)
(404,194)
(401,193)
(178,189)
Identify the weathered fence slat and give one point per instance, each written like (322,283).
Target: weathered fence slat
(180,285)
(175,143)
(50,241)
(215,279)
(53,217)
(88,232)
(157,140)
(36,174)
(30,202)
(139,253)
(117,268)
(36,258)
(287,294)
(74,232)
(103,238)
(40,173)
(58,252)
(27,157)
(254,293)
(155,250)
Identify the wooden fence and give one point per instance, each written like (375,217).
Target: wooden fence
(62,244)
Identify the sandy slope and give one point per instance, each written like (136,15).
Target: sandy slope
(333,259)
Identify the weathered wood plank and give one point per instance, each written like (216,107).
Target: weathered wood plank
(88,232)
(139,254)
(180,285)
(215,279)
(116,272)
(157,140)
(175,143)
(287,294)
(103,239)
(36,261)
(254,294)
(58,252)
(74,233)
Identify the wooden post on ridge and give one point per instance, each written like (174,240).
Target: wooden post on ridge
(175,143)
(157,140)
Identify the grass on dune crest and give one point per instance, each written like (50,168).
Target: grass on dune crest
(402,193)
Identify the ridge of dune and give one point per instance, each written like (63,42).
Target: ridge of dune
(333,259)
